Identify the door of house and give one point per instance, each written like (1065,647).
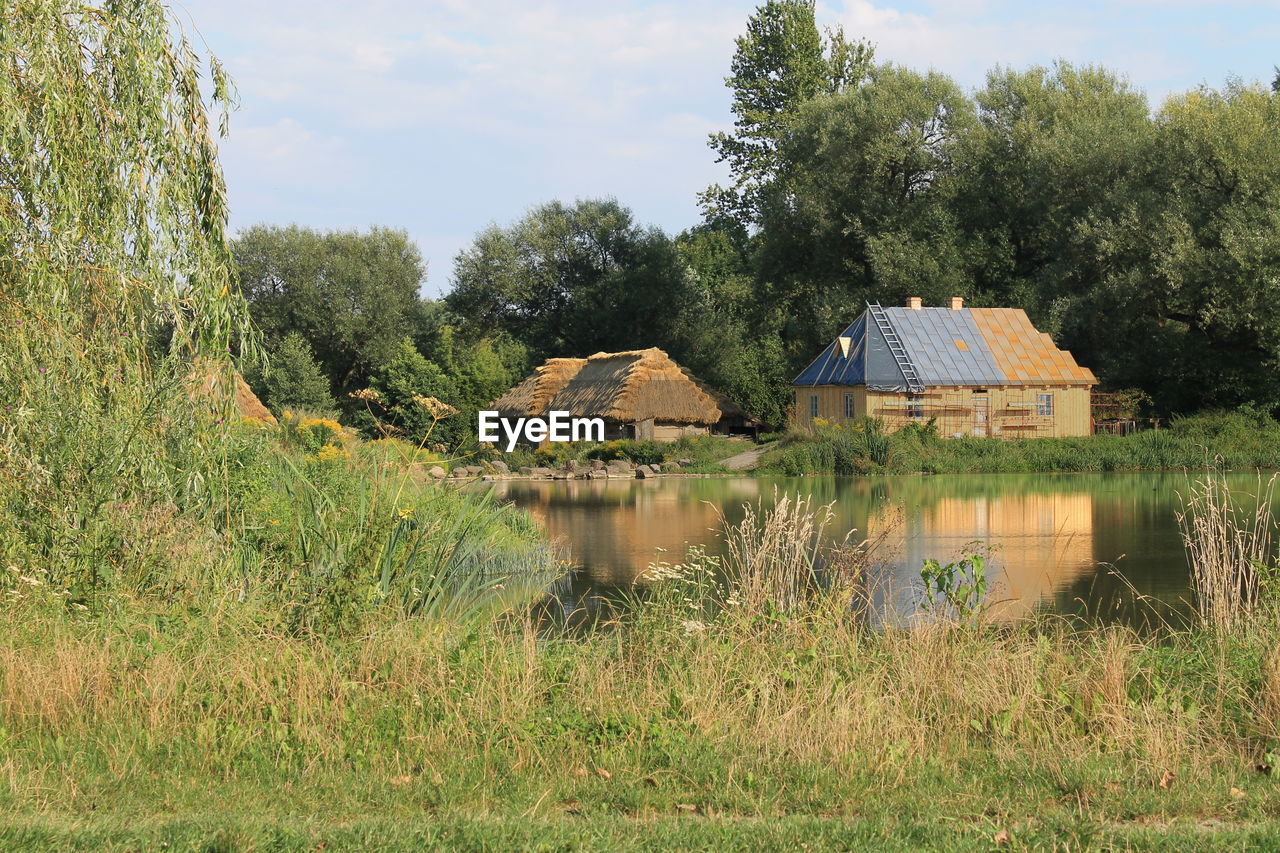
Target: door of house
(980,412)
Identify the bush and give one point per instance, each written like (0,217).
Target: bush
(310,433)
(646,452)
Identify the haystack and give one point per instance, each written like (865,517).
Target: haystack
(207,381)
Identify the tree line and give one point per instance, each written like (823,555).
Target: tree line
(1145,241)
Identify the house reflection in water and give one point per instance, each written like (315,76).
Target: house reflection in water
(1033,543)
(615,528)
(1044,536)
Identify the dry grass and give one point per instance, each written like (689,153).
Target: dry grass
(772,556)
(1231,548)
(739,695)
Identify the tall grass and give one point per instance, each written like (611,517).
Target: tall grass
(1231,548)
(1239,439)
(772,556)
(744,710)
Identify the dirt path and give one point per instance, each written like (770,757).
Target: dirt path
(747,460)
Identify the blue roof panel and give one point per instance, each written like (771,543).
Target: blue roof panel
(945,348)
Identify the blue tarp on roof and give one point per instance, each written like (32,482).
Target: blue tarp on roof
(944,346)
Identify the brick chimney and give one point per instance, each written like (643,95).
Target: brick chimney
(913,302)
(957,302)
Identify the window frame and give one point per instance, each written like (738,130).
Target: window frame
(850,406)
(915,406)
(813,406)
(1044,404)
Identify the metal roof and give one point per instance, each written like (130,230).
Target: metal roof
(945,346)
(967,346)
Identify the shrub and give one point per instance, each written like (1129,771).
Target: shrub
(646,452)
(309,433)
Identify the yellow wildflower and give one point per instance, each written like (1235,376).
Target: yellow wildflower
(331,453)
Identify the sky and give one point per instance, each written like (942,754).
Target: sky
(440,117)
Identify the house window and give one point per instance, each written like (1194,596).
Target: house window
(915,406)
(813,406)
(1044,405)
(848,406)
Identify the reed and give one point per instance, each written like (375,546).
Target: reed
(772,555)
(1231,548)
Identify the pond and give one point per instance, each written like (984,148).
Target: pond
(1104,545)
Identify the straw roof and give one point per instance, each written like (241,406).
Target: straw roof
(626,387)
(531,396)
(728,408)
(208,381)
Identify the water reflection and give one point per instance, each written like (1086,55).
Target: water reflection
(1050,539)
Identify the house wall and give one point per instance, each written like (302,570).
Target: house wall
(957,409)
(672,432)
(657,431)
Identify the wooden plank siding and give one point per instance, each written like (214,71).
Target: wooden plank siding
(1010,410)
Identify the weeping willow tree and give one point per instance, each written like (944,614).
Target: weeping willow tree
(114,286)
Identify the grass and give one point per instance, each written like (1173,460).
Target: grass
(1235,440)
(717,714)
(939,737)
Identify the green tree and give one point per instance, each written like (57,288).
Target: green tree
(860,208)
(353,296)
(570,280)
(1189,272)
(781,62)
(293,379)
(402,383)
(725,336)
(1055,149)
(115,277)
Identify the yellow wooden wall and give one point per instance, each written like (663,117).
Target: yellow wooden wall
(954,409)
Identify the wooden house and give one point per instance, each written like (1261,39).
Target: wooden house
(975,371)
(640,394)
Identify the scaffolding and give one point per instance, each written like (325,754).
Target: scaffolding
(1022,417)
(1105,415)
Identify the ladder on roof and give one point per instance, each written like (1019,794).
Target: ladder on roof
(914,385)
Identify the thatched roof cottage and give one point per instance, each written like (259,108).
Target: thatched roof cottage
(639,394)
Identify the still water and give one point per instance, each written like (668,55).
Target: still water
(1107,545)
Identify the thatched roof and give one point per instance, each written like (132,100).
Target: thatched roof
(209,380)
(728,408)
(531,396)
(619,386)
(250,406)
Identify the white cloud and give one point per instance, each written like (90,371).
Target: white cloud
(288,154)
(442,116)
(960,39)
